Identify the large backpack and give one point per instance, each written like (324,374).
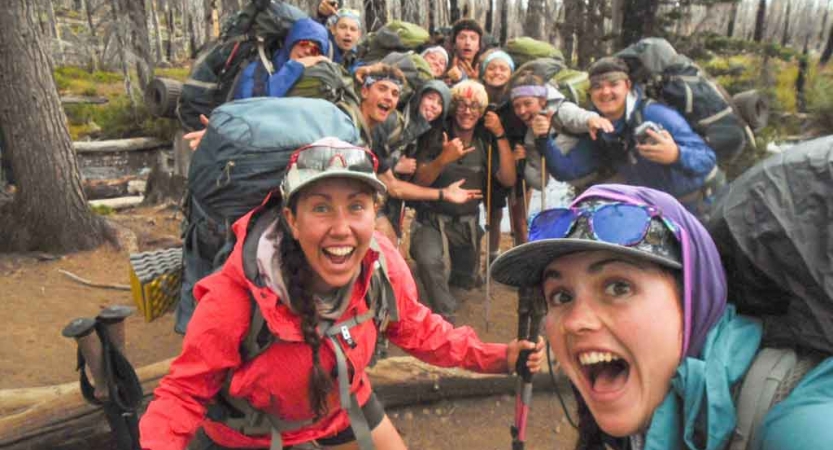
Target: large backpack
(679,83)
(327,81)
(525,49)
(396,36)
(573,84)
(416,69)
(240,160)
(773,227)
(256,31)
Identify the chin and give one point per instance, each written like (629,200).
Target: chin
(619,426)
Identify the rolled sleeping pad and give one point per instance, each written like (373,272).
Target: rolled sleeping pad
(753,107)
(161,97)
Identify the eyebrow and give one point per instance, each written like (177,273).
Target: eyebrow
(329,197)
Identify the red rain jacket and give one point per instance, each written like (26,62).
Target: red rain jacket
(277,380)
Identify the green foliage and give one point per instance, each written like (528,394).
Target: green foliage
(102,210)
(820,102)
(175,73)
(76,80)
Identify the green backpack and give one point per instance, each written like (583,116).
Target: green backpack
(525,49)
(396,36)
(327,81)
(416,69)
(574,84)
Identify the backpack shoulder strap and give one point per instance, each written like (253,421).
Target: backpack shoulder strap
(258,338)
(773,375)
(380,294)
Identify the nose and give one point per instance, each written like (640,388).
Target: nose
(340,226)
(579,317)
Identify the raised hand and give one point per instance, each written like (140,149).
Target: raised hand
(327,9)
(453,150)
(454,193)
(309,61)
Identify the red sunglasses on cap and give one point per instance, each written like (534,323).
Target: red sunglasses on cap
(310,46)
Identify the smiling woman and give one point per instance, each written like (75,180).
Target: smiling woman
(289,324)
(638,320)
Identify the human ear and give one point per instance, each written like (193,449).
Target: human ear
(291,220)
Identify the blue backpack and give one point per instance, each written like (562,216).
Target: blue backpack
(240,160)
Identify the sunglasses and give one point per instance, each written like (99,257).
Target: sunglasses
(310,46)
(321,158)
(615,223)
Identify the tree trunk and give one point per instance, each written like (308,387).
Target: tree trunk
(133,18)
(170,50)
(490,14)
(375,13)
(121,24)
(640,20)
(504,22)
(785,38)
(733,17)
(157,32)
(49,212)
(760,22)
(410,11)
(432,23)
(535,14)
(571,28)
(208,14)
(801,79)
(616,15)
(590,35)
(229,7)
(455,11)
(824,21)
(828,48)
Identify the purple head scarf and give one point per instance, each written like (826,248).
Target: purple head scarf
(704,282)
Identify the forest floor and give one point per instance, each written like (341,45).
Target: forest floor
(39,301)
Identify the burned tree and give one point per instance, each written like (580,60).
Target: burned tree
(49,211)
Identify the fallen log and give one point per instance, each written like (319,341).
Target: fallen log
(59,415)
(119,145)
(83,100)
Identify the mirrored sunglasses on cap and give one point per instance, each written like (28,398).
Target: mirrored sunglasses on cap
(311,47)
(323,157)
(615,223)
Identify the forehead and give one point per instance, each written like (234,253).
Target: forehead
(345,22)
(498,63)
(608,83)
(383,85)
(467,34)
(526,100)
(431,95)
(434,55)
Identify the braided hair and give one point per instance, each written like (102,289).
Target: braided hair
(298,275)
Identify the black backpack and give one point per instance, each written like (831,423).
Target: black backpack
(240,160)
(773,229)
(676,81)
(256,31)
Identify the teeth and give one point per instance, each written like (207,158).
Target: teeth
(590,358)
(339,251)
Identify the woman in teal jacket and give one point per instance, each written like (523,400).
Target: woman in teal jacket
(639,322)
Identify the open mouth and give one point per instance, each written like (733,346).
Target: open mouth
(385,108)
(605,372)
(339,255)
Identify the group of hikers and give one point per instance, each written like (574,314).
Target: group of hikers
(311,277)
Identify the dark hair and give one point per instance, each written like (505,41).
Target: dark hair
(526,78)
(298,274)
(469,25)
(608,64)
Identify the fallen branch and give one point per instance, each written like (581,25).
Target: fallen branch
(85,282)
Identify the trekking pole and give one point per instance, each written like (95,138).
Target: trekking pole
(488,306)
(531,309)
(543,183)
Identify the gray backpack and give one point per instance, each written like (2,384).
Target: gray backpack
(677,82)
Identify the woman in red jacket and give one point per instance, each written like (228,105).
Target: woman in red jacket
(303,269)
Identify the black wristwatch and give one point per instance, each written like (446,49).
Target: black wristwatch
(442,196)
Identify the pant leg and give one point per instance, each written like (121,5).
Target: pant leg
(464,253)
(427,251)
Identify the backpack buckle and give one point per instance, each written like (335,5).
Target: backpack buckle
(348,338)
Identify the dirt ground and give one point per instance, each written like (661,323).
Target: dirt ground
(39,301)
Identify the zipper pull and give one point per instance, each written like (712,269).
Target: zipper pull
(225,173)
